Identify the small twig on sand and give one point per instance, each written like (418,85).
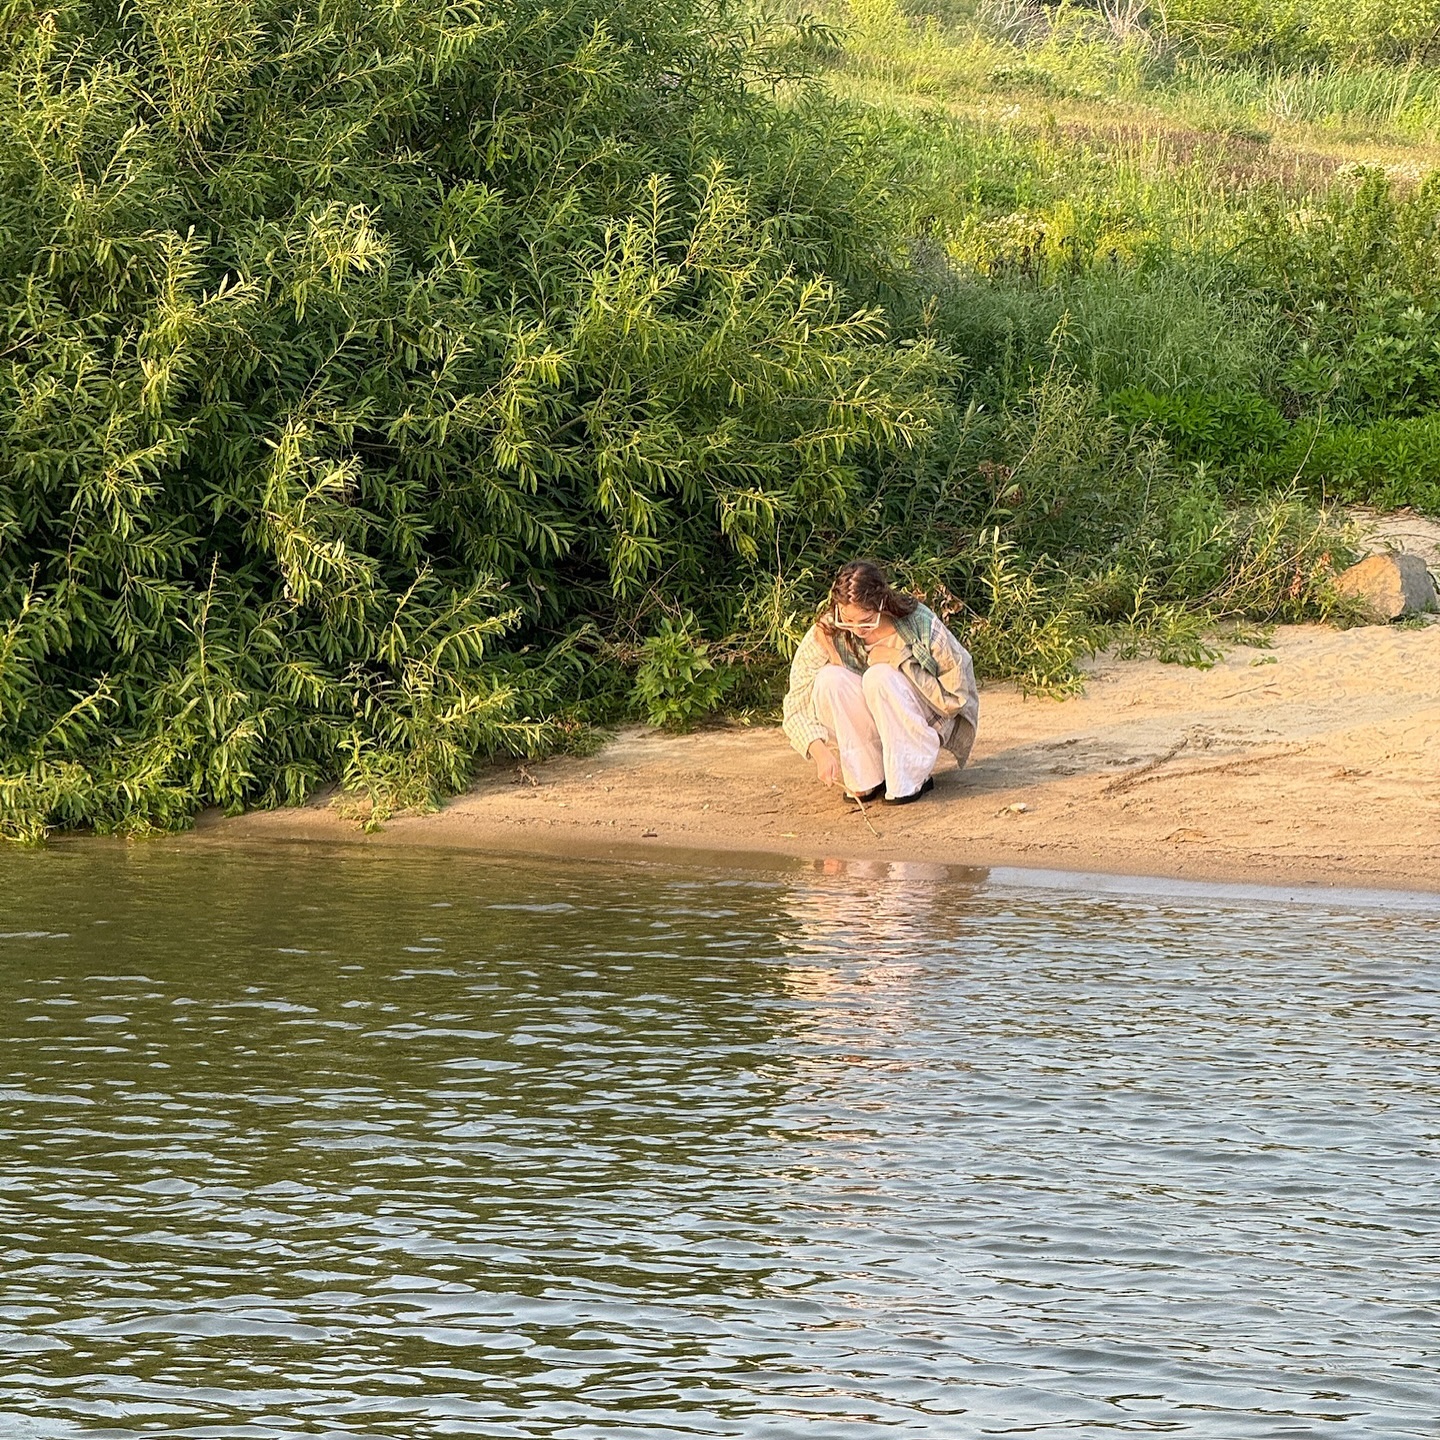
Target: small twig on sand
(865,816)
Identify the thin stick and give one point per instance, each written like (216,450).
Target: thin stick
(865,816)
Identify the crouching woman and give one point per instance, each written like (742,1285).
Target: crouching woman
(877,687)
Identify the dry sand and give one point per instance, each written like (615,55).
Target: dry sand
(1317,761)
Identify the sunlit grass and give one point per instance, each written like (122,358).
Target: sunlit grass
(1074,72)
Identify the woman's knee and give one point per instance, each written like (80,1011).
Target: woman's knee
(835,680)
(879,679)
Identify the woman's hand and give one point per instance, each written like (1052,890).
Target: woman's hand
(890,651)
(827,767)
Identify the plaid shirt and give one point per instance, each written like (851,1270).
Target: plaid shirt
(936,664)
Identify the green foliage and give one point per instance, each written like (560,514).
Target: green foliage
(351,357)
(1288,31)
(1204,427)
(1030,627)
(1389,464)
(1277,329)
(382,388)
(1357,279)
(678,682)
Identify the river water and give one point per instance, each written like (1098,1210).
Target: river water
(308,1142)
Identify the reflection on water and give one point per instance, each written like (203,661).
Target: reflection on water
(325,1143)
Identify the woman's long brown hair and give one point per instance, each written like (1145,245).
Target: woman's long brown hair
(863,582)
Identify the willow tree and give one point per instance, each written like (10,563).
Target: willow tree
(354,355)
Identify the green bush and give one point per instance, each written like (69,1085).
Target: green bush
(1200,427)
(1390,464)
(353,356)
(678,682)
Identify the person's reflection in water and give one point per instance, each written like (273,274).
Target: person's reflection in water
(860,929)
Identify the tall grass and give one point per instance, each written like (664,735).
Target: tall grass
(1367,102)
(1078,58)
(1235,304)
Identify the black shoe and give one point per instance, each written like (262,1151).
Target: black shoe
(868,795)
(925,789)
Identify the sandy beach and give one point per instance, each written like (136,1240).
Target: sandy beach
(1316,761)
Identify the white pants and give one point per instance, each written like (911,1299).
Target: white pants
(882,726)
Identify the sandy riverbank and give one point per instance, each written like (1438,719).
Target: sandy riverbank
(1317,761)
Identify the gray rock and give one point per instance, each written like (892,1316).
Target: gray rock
(1390,585)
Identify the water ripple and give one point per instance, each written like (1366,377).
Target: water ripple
(669,1154)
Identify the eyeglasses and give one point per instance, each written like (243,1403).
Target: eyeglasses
(855,627)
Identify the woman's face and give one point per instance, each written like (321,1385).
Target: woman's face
(857,619)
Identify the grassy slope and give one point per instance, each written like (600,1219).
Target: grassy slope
(1241,258)
(1307,121)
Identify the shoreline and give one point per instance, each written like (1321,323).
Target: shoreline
(1311,764)
(1207,874)
(1221,886)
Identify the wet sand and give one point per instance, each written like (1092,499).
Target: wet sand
(1315,762)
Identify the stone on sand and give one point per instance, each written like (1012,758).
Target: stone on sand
(1390,585)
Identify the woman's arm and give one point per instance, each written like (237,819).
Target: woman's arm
(948,683)
(802,724)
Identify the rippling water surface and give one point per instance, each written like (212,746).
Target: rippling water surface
(306,1142)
